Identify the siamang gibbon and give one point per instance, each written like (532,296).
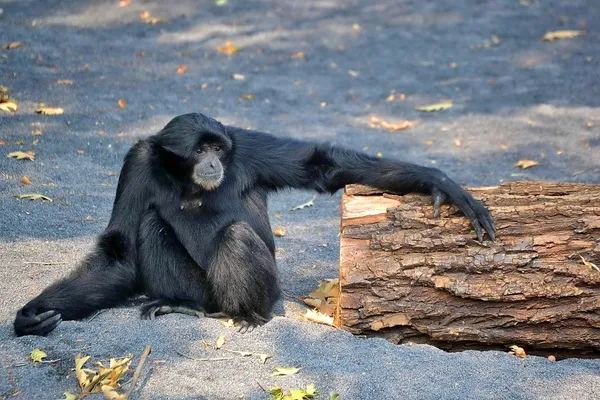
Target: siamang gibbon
(190,229)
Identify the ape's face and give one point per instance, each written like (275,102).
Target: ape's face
(209,168)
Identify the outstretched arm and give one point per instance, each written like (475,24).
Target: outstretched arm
(277,163)
(108,275)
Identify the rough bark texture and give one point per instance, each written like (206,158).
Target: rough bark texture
(409,277)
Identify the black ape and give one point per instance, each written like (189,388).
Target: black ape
(190,229)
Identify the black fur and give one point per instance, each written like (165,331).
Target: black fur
(212,250)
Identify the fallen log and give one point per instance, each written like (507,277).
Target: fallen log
(411,278)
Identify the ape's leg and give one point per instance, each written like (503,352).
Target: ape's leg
(103,280)
(243,277)
(171,278)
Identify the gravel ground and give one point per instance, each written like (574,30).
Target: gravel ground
(315,70)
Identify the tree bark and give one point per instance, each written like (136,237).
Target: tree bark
(411,278)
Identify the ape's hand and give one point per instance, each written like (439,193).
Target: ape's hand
(447,191)
(33,322)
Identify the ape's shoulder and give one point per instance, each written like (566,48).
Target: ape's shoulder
(140,153)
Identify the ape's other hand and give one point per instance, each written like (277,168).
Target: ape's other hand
(30,321)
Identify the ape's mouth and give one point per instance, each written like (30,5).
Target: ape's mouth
(210,176)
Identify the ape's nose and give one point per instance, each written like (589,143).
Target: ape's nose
(212,164)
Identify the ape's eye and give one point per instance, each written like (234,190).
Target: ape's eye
(218,148)
(199,151)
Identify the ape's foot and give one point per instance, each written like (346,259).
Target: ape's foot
(161,307)
(243,325)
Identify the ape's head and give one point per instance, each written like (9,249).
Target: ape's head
(202,147)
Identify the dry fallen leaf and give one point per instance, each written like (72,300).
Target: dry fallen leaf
(297,55)
(88,218)
(8,106)
(2,142)
(375,122)
(121,103)
(182,69)
(50,110)
(526,163)
(551,358)
(555,35)
(279,232)
(148,19)
(228,49)
(320,318)
(457,142)
(220,342)
(21,155)
(435,107)
(33,196)
(239,77)
(353,73)
(124,3)
(64,82)
(517,351)
(247,96)
(37,355)
(25,180)
(13,45)
(284,371)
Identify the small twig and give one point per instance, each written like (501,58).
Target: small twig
(95,315)
(138,370)
(204,359)
(44,262)
(261,386)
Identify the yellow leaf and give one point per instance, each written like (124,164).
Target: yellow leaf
(25,180)
(435,107)
(69,396)
(279,232)
(33,196)
(8,106)
(518,351)
(21,155)
(110,393)
(285,371)
(555,35)
(526,163)
(13,45)
(247,96)
(182,69)
(37,355)
(457,142)
(122,103)
(220,342)
(315,316)
(228,49)
(50,110)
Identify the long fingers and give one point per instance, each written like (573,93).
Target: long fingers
(42,324)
